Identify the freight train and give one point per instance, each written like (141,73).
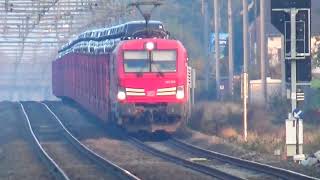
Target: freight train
(127,74)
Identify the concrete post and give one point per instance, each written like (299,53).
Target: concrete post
(230,32)
(216,46)
(263,50)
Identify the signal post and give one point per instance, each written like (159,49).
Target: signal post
(293,19)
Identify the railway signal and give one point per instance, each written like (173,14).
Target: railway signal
(293,19)
(303,70)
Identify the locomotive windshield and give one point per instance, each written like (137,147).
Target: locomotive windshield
(154,61)
(136,61)
(163,61)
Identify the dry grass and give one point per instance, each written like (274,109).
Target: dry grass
(225,120)
(311,139)
(229,133)
(212,117)
(265,143)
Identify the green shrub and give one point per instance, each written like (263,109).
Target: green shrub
(315,84)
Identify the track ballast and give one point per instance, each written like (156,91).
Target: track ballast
(50,138)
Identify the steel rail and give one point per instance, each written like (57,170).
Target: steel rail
(259,167)
(194,166)
(53,167)
(104,163)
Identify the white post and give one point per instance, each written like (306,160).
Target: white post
(245,67)
(283,68)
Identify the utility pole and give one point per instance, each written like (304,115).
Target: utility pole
(283,68)
(245,68)
(263,51)
(231,62)
(216,45)
(206,39)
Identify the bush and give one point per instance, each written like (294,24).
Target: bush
(212,117)
(312,106)
(315,84)
(278,107)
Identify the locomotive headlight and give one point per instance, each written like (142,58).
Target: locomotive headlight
(180,92)
(149,46)
(121,95)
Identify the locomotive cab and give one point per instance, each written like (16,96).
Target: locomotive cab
(151,92)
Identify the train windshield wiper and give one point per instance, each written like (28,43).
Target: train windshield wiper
(140,72)
(158,71)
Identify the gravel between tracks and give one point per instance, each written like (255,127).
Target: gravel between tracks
(75,168)
(75,164)
(17,158)
(165,146)
(110,144)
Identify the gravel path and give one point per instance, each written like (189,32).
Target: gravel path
(17,159)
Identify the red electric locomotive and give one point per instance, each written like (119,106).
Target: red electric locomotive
(136,78)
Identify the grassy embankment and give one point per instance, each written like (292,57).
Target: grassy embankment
(266,129)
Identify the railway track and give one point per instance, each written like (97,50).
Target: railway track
(259,167)
(64,155)
(212,163)
(257,170)
(210,171)
(144,164)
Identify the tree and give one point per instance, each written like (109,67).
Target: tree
(316,53)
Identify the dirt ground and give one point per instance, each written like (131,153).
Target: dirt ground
(17,158)
(108,142)
(217,144)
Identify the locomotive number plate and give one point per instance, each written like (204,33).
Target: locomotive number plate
(151,93)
